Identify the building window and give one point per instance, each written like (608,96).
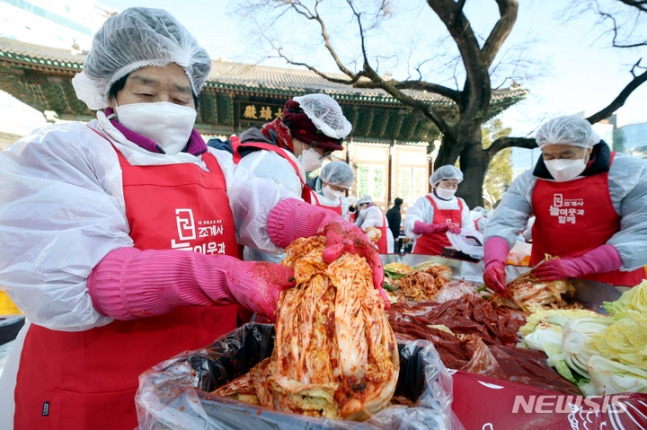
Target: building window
(412,183)
(371,180)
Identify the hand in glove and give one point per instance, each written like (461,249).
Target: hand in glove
(420,227)
(454,228)
(341,237)
(494,277)
(130,283)
(495,253)
(292,219)
(254,285)
(604,258)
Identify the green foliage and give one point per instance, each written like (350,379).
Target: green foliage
(499,173)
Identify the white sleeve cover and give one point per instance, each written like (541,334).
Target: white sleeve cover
(251,199)
(628,189)
(61,212)
(466,218)
(373,218)
(421,211)
(510,217)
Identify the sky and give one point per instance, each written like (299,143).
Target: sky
(581,74)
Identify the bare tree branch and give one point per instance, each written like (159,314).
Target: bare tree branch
(508,142)
(620,100)
(508,11)
(615,31)
(638,4)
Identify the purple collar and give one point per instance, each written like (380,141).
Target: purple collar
(196,145)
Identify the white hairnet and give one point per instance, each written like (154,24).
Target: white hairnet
(136,38)
(352,200)
(326,114)
(567,130)
(445,172)
(337,173)
(365,199)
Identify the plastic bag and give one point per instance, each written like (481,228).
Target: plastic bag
(469,241)
(176,393)
(519,255)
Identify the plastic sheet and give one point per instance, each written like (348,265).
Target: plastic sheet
(175,394)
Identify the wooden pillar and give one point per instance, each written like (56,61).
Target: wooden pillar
(431,171)
(354,186)
(432,154)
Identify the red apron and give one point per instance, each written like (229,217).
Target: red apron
(315,201)
(88,379)
(575,217)
(433,244)
(306,191)
(382,244)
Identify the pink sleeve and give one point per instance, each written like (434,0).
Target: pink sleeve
(292,219)
(130,283)
(604,258)
(495,250)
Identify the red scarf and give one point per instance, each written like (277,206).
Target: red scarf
(281,134)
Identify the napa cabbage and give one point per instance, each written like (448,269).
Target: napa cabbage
(634,299)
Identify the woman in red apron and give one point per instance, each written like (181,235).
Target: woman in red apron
(433,215)
(586,200)
(128,227)
(372,216)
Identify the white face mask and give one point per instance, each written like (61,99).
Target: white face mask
(167,124)
(330,193)
(310,160)
(445,193)
(564,169)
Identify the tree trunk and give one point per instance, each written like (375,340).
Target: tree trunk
(474,163)
(473,159)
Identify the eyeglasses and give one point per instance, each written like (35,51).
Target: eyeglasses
(326,154)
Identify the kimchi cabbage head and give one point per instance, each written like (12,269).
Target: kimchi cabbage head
(335,354)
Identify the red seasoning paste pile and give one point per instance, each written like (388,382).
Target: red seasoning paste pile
(475,335)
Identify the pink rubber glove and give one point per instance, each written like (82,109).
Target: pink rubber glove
(292,219)
(495,253)
(130,283)
(420,227)
(604,258)
(454,228)
(341,237)
(494,277)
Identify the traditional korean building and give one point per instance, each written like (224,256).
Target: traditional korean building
(390,147)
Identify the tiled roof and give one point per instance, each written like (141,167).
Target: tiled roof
(239,75)
(39,55)
(41,77)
